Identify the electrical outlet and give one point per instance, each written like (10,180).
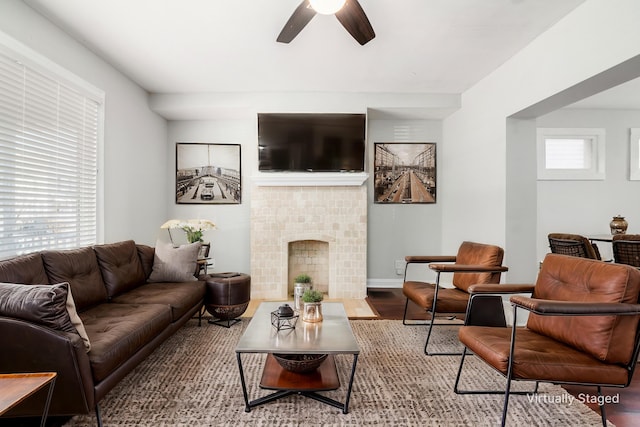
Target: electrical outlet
(399,265)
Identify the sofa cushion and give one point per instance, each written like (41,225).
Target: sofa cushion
(120,266)
(118,331)
(175,264)
(567,278)
(27,269)
(180,296)
(41,304)
(80,268)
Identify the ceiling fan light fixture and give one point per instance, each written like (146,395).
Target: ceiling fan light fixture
(327,7)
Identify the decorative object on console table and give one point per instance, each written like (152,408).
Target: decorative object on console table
(302,283)
(618,225)
(208,173)
(284,318)
(194,228)
(300,363)
(405,173)
(312,308)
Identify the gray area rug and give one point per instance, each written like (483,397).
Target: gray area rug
(193,380)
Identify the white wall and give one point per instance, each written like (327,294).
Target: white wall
(587,207)
(135,175)
(394,230)
(230,243)
(589,41)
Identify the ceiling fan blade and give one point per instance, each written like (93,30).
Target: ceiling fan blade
(355,21)
(298,20)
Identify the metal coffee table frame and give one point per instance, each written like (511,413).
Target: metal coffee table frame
(331,336)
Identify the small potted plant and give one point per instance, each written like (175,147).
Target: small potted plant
(312,300)
(301,283)
(302,278)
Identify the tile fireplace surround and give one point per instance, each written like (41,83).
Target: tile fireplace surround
(291,210)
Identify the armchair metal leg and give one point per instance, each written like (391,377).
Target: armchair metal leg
(457,390)
(430,323)
(404,316)
(426,344)
(603,414)
(455,385)
(506,398)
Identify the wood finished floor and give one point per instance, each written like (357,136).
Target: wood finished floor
(389,304)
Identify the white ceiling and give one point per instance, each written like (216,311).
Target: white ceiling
(194,46)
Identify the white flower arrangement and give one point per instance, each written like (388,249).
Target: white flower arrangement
(194,228)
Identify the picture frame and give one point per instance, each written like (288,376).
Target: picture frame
(405,172)
(208,173)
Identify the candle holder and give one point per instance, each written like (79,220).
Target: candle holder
(284,318)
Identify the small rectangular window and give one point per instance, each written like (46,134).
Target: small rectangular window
(570,154)
(567,153)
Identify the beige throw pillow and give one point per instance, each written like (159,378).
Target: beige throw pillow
(76,321)
(175,264)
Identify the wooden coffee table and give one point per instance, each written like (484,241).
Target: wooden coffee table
(15,388)
(332,336)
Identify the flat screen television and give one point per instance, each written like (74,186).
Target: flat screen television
(311,142)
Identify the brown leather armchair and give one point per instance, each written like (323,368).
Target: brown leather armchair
(582,329)
(573,245)
(626,249)
(474,263)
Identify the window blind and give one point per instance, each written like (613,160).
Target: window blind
(48,161)
(568,153)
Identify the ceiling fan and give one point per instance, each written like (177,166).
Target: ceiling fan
(349,13)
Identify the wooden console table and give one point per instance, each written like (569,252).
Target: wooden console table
(15,388)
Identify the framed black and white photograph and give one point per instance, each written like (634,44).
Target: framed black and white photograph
(208,173)
(405,172)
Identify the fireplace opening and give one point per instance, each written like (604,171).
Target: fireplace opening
(310,257)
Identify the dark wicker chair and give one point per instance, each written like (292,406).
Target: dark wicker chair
(573,245)
(626,249)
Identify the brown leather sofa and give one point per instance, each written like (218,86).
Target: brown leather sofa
(125,318)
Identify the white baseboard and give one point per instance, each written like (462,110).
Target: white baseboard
(384,283)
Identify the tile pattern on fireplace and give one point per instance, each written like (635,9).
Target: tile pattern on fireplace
(336,215)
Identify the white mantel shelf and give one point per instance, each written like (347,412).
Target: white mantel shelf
(310,179)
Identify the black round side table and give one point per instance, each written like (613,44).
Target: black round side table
(227,297)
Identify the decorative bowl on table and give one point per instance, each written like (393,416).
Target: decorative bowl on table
(300,363)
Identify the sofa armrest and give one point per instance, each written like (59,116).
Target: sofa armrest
(573,308)
(459,268)
(420,259)
(28,347)
(493,288)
